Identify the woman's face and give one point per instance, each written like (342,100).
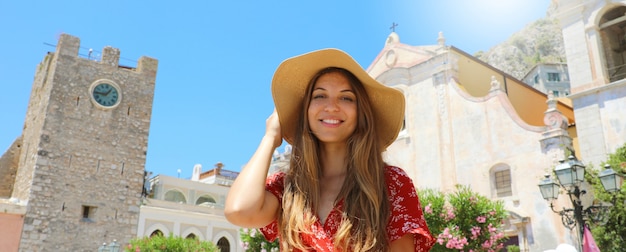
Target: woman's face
(332,112)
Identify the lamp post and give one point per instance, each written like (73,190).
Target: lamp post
(570,175)
(112,247)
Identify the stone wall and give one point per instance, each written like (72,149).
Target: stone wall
(8,168)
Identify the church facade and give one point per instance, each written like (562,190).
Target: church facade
(467,123)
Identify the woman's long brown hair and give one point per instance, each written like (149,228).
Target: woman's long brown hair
(366,208)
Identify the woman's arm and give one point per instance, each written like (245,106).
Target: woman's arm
(248,204)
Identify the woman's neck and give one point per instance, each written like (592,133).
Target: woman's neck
(333,160)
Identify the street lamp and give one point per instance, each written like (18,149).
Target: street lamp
(611,181)
(112,247)
(570,175)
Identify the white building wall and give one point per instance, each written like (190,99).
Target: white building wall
(183,218)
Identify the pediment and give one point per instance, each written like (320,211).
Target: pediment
(398,55)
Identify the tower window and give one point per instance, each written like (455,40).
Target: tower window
(88,213)
(536,78)
(554,77)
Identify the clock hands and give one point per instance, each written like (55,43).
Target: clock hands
(103,94)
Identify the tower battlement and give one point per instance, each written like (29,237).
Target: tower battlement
(69,45)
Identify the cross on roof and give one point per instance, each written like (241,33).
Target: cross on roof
(393,27)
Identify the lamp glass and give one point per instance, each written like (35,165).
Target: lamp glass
(579,169)
(549,189)
(565,174)
(611,181)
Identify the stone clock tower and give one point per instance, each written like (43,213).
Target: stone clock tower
(81,163)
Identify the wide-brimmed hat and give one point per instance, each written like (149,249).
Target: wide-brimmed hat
(294,74)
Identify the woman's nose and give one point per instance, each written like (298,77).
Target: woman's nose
(332,105)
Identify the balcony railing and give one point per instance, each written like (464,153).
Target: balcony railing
(617,72)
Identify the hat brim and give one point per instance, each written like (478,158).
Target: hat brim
(293,75)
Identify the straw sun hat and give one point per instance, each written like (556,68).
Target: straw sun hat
(293,75)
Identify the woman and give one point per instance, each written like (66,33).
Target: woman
(338,194)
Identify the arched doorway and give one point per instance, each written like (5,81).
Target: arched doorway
(156,233)
(223,244)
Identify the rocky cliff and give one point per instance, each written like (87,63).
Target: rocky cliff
(539,42)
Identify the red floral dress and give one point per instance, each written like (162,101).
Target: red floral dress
(406,214)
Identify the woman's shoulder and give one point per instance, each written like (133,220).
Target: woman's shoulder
(394,171)
(276,180)
(276,176)
(397,178)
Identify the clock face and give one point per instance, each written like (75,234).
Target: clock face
(106,94)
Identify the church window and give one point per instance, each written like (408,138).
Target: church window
(555,93)
(536,78)
(175,196)
(223,245)
(191,236)
(503,183)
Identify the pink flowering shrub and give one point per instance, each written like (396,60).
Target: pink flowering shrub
(253,240)
(463,220)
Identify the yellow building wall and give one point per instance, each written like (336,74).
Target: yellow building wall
(475,77)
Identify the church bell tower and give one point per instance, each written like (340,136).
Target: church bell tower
(594,34)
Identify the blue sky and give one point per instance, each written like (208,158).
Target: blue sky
(217,58)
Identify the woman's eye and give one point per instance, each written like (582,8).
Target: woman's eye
(318,96)
(350,99)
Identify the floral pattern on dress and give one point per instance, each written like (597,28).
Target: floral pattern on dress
(406,214)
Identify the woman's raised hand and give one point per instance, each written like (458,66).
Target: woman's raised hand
(248,204)
(272,129)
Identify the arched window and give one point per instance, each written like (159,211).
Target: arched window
(191,236)
(223,244)
(613,35)
(175,196)
(501,181)
(156,233)
(205,199)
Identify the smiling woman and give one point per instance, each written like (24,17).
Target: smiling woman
(338,192)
